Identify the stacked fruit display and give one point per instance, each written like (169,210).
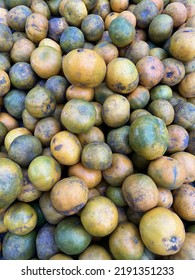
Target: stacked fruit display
(97,129)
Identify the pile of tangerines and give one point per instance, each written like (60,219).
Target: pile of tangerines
(97,129)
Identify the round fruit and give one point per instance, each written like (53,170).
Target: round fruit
(69,195)
(178,138)
(36,27)
(121,32)
(162,109)
(144,12)
(116,110)
(40,102)
(184,202)
(92,27)
(19,247)
(139,97)
(22,76)
(120,168)
(107,50)
(140,192)
(44,172)
(151,71)
(90,67)
(58,86)
(167,172)
(149,137)
(183,38)
(71,38)
(122,75)
(160,28)
(162,231)
(74,12)
(120,248)
(78,116)
(14,103)
(59,144)
(24,149)
(46,128)
(20,218)
(76,238)
(11,181)
(174,71)
(97,155)
(99,216)
(45,242)
(46,61)
(17,17)
(90,176)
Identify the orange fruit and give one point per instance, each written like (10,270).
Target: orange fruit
(162,231)
(99,216)
(69,195)
(59,144)
(20,218)
(44,172)
(120,248)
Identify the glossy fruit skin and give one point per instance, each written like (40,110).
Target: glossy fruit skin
(46,61)
(122,75)
(11,180)
(148,137)
(87,74)
(44,172)
(71,237)
(59,144)
(160,237)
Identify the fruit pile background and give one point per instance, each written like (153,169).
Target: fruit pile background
(97,129)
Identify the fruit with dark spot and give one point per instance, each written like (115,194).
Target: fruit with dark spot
(162,231)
